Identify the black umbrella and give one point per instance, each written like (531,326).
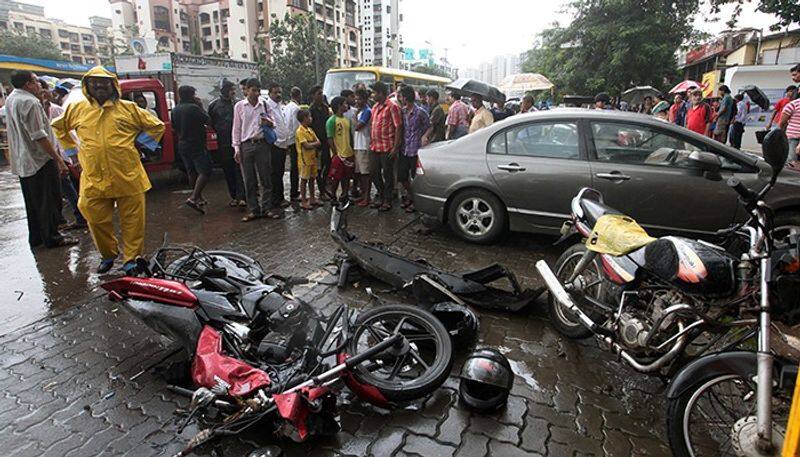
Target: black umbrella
(757,95)
(636,95)
(467,86)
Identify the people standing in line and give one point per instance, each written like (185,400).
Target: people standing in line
(739,118)
(724,114)
(35,161)
(775,119)
(436,132)
(319,116)
(252,152)
(482,117)
(278,151)
(291,109)
(220,112)
(113,175)
(339,134)
(361,145)
(527,104)
(415,123)
(677,112)
(189,121)
(68,190)
(790,123)
(457,117)
(307,147)
(386,138)
(698,116)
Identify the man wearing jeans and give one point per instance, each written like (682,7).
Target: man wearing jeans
(253,152)
(279,150)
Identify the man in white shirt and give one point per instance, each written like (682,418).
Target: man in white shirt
(291,110)
(279,149)
(253,152)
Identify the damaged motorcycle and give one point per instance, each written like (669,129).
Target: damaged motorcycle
(261,356)
(651,300)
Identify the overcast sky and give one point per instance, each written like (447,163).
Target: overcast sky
(472,31)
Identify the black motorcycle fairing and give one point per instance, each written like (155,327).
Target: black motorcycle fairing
(174,322)
(218,306)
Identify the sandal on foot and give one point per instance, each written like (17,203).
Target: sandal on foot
(195,206)
(249,217)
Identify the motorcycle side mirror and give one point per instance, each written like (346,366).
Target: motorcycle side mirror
(214,273)
(775,149)
(706,162)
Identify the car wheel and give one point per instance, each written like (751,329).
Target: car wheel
(477,215)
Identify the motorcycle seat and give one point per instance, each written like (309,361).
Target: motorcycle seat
(594,209)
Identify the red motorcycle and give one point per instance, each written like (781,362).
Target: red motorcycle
(260,355)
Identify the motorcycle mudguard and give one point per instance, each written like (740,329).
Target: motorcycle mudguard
(743,363)
(294,407)
(211,368)
(365,391)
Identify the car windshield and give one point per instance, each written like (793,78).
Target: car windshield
(340,80)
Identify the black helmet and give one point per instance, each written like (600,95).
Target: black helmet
(459,320)
(486,380)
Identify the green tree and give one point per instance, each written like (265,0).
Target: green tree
(787,12)
(431,70)
(292,61)
(611,45)
(28,45)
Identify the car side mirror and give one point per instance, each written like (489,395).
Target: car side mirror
(775,150)
(708,163)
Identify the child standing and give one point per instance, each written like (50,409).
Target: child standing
(307,145)
(343,163)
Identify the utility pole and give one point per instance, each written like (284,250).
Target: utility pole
(313,18)
(394,21)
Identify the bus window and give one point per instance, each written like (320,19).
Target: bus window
(336,82)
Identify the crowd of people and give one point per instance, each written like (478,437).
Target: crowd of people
(722,118)
(337,150)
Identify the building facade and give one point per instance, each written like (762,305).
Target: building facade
(495,70)
(87,45)
(232,28)
(377,32)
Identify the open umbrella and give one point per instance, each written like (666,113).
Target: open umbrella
(518,84)
(468,86)
(685,86)
(757,95)
(636,95)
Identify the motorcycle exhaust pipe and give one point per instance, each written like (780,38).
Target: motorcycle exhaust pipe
(561,296)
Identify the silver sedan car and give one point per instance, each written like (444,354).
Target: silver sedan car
(520,174)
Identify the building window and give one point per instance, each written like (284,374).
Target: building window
(217,42)
(163,42)
(65,46)
(206,31)
(47,33)
(207,46)
(74,48)
(205,18)
(88,38)
(77,59)
(216,15)
(261,23)
(225,43)
(260,7)
(19,26)
(184,17)
(184,31)
(90,61)
(88,50)
(30,30)
(187,47)
(161,18)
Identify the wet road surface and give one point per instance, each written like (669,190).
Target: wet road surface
(68,355)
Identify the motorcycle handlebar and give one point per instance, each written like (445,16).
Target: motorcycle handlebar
(747,195)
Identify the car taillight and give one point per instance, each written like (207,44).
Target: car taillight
(420,170)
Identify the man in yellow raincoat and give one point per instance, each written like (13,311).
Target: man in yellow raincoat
(108,129)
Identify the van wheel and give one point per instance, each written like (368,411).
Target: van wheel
(477,216)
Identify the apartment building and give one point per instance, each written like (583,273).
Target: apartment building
(234,28)
(496,69)
(87,45)
(377,33)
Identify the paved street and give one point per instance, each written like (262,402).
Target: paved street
(68,354)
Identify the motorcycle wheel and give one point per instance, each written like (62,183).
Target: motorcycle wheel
(417,370)
(702,421)
(181,267)
(561,318)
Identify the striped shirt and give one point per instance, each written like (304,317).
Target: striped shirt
(386,120)
(792,111)
(458,114)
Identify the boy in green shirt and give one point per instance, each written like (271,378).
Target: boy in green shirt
(343,162)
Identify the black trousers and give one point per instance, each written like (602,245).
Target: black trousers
(42,195)
(737,131)
(231,169)
(325,166)
(278,163)
(294,173)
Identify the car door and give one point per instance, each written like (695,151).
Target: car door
(643,171)
(538,167)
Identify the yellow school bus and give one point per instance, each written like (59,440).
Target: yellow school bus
(338,79)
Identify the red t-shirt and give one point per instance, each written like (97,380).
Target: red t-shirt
(779,106)
(697,117)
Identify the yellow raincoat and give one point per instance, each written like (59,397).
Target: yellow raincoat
(113,175)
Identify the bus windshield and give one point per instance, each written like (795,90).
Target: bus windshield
(335,82)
